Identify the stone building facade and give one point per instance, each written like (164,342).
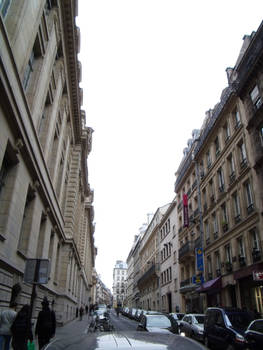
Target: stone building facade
(221,182)
(46,204)
(168,257)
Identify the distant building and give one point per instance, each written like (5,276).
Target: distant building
(119,282)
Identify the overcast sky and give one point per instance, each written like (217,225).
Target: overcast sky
(150,71)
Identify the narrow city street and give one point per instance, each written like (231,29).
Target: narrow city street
(76,336)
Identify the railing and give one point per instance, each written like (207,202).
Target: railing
(148,274)
(186,248)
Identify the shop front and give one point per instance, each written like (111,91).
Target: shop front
(250,280)
(212,290)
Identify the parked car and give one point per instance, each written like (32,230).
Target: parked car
(177,316)
(132,313)
(225,327)
(192,325)
(138,314)
(254,335)
(157,323)
(125,311)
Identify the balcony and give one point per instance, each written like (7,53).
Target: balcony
(186,250)
(242,260)
(187,285)
(150,273)
(228,266)
(256,254)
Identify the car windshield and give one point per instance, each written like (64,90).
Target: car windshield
(199,319)
(158,321)
(239,320)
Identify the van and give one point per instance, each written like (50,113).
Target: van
(224,328)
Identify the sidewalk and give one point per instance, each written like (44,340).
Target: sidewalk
(76,326)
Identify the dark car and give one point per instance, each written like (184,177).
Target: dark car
(254,335)
(192,325)
(157,323)
(224,328)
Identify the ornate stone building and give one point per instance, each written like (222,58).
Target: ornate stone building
(46,208)
(221,175)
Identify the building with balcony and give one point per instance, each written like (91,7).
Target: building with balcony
(148,280)
(45,197)
(220,177)
(168,257)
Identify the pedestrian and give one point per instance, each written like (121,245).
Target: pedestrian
(21,329)
(46,324)
(6,320)
(81,310)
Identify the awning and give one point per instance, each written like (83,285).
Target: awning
(211,286)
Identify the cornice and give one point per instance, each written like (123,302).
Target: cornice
(71,45)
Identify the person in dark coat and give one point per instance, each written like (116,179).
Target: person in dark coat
(46,324)
(21,329)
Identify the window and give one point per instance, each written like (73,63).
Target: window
(214,223)
(175,257)
(208,159)
(242,153)
(221,182)
(28,70)
(236,205)
(241,249)
(249,197)
(207,232)
(228,253)
(224,213)
(218,264)
(209,267)
(255,97)
(4,6)
(236,117)
(255,240)
(231,168)
(226,131)
(217,146)
(211,190)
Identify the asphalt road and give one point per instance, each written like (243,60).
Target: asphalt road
(77,336)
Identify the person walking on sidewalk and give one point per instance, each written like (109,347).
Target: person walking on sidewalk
(46,324)
(6,320)
(81,311)
(21,329)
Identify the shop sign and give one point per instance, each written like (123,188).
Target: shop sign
(258,276)
(199,259)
